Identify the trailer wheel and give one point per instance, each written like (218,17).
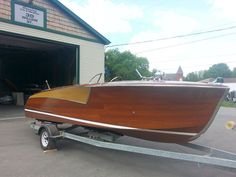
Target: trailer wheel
(46,142)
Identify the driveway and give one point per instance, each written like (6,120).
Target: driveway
(21,156)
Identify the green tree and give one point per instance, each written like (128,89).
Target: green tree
(193,76)
(218,70)
(234,72)
(201,74)
(124,64)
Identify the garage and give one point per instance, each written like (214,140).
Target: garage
(29,63)
(43,44)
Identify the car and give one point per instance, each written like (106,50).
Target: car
(231,96)
(6,89)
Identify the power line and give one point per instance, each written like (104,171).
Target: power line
(196,57)
(225,25)
(173,37)
(232,61)
(185,43)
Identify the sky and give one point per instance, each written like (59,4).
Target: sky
(130,21)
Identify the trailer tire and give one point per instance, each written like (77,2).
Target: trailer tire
(46,142)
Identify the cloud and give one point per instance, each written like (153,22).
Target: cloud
(192,57)
(174,23)
(224,8)
(105,15)
(168,23)
(130,23)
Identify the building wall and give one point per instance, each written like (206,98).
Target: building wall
(5,9)
(91,59)
(56,18)
(91,63)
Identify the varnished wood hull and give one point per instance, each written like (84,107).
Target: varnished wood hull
(157,112)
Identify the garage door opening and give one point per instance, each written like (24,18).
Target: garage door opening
(25,64)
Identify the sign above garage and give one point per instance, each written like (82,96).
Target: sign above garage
(28,14)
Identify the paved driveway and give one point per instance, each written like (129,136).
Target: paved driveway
(21,156)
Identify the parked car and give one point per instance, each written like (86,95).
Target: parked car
(231,96)
(6,90)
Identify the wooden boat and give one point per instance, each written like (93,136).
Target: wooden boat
(172,112)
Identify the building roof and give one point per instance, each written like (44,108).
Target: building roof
(230,80)
(226,80)
(174,76)
(170,76)
(207,80)
(99,36)
(180,71)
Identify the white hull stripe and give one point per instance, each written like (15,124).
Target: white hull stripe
(109,125)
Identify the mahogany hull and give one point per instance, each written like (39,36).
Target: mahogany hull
(164,113)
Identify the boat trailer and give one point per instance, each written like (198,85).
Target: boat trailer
(50,133)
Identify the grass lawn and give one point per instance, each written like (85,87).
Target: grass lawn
(228,104)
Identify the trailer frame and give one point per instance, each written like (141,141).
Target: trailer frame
(211,156)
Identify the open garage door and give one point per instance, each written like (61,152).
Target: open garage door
(26,63)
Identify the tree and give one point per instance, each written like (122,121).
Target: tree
(192,77)
(234,72)
(218,70)
(124,64)
(195,76)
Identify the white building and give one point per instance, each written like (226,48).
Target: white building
(43,40)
